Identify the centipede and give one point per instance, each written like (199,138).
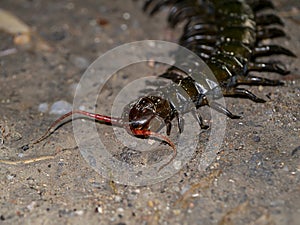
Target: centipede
(228,36)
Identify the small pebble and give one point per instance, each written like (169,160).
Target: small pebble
(43,107)
(25,147)
(285,168)
(60,107)
(126,16)
(185,189)
(118,198)
(79,212)
(99,209)
(124,27)
(256,138)
(176,212)
(120,210)
(22,39)
(177,165)
(82,107)
(30,207)
(10,177)
(150,204)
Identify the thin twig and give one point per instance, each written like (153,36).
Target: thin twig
(33,160)
(27,161)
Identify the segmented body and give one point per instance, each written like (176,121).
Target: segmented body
(227,35)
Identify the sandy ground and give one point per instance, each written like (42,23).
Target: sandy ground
(253,180)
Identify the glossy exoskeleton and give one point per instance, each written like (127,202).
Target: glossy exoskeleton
(227,35)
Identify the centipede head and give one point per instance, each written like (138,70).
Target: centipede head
(143,116)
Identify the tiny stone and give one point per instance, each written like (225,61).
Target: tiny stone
(256,138)
(118,198)
(151,142)
(120,210)
(151,44)
(124,27)
(99,209)
(93,22)
(150,204)
(79,212)
(10,177)
(60,107)
(82,107)
(177,165)
(185,189)
(43,107)
(285,168)
(176,212)
(25,147)
(30,207)
(126,16)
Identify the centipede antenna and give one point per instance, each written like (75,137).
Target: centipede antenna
(52,128)
(57,123)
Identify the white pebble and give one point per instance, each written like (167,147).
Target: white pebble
(177,165)
(31,206)
(120,210)
(60,107)
(124,27)
(10,177)
(99,209)
(118,198)
(126,16)
(79,212)
(82,107)
(43,107)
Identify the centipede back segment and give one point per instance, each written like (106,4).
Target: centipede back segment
(228,36)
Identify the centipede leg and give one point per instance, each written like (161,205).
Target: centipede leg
(266,50)
(180,15)
(199,120)
(253,80)
(220,108)
(268,19)
(169,127)
(270,32)
(157,7)
(258,5)
(268,67)
(180,121)
(241,92)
